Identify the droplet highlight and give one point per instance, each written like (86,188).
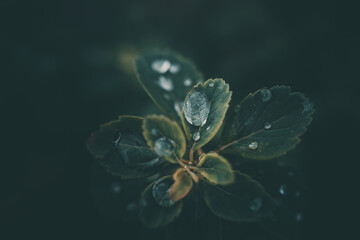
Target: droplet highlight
(187,82)
(174,68)
(164,147)
(196,109)
(166,83)
(253,145)
(256,204)
(196,136)
(267,125)
(283,189)
(211,84)
(160,66)
(266,95)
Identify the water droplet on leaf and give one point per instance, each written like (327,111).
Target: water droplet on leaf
(166,83)
(256,204)
(167,96)
(187,82)
(283,189)
(267,125)
(208,128)
(308,106)
(196,136)
(115,188)
(211,84)
(164,146)
(153,131)
(266,95)
(160,192)
(160,65)
(178,108)
(196,109)
(253,145)
(174,68)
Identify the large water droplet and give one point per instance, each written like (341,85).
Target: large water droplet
(256,204)
(164,146)
(187,82)
(253,145)
(174,68)
(266,95)
(161,190)
(267,125)
(283,189)
(160,65)
(196,136)
(196,109)
(166,83)
(211,84)
(115,188)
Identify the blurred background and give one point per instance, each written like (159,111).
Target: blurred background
(67,67)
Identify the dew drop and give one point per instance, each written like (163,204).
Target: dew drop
(174,68)
(283,189)
(166,83)
(160,65)
(115,188)
(208,128)
(196,109)
(178,108)
(253,145)
(153,131)
(266,95)
(187,82)
(196,136)
(164,146)
(267,125)
(299,217)
(211,84)
(256,204)
(161,190)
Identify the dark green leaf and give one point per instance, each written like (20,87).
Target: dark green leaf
(165,137)
(121,148)
(267,124)
(205,107)
(167,77)
(182,185)
(243,201)
(216,169)
(152,214)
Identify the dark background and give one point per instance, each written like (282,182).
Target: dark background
(66,68)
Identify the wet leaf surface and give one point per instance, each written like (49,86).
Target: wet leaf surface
(267,123)
(167,77)
(205,107)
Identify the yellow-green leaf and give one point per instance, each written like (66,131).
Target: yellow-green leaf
(216,169)
(165,137)
(182,185)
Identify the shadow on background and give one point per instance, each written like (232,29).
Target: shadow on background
(67,67)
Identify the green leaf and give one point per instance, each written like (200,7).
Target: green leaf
(243,201)
(154,215)
(182,185)
(267,124)
(121,148)
(165,137)
(167,77)
(204,110)
(216,169)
